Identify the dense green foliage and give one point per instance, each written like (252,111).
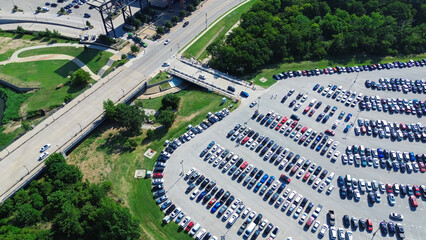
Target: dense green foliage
(76,209)
(131,117)
(13,104)
(170,100)
(166,117)
(285,30)
(80,78)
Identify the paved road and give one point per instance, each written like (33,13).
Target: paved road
(189,153)
(16,166)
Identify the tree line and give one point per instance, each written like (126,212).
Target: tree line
(60,205)
(275,31)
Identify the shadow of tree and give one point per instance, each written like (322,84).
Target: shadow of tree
(159,133)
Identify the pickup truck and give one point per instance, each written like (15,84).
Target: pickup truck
(331,218)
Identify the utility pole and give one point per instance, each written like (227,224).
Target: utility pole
(206,20)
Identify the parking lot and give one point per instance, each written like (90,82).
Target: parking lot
(187,156)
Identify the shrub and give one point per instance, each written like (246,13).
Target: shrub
(80,77)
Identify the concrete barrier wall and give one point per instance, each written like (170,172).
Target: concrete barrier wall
(16,88)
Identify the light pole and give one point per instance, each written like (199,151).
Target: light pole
(33,13)
(206,20)
(258,104)
(28,171)
(181,163)
(81,129)
(123,91)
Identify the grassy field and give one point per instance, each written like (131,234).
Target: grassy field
(165,86)
(49,74)
(217,31)
(100,158)
(94,59)
(7,137)
(268,71)
(159,78)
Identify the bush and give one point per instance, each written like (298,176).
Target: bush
(134,48)
(150,133)
(20,30)
(123,56)
(182,13)
(160,30)
(67,98)
(26,125)
(168,24)
(190,8)
(26,215)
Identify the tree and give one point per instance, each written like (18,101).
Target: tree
(182,13)
(160,30)
(137,23)
(21,197)
(67,98)
(26,125)
(67,225)
(170,100)
(134,48)
(190,8)
(6,208)
(175,20)
(37,201)
(123,57)
(80,78)
(150,133)
(130,144)
(168,24)
(89,25)
(26,215)
(111,221)
(166,117)
(109,109)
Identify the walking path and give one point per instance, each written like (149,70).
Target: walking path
(178,88)
(15,57)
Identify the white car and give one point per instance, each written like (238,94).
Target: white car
(184,222)
(233,219)
(166,64)
(315,227)
(333,233)
(322,186)
(227,214)
(253,104)
(245,212)
(303,218)
(167,42)
(195,193)
(323,230)
(45,147)
(329,189)
(43,155)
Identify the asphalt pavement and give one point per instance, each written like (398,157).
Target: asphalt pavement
(187,157)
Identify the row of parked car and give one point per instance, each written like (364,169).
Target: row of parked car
(392,130)
(345,96)
(339,69)
(393,105)
(290,127)
(158,188)
(403,161)
(398,84)
(352,188)
(230,209)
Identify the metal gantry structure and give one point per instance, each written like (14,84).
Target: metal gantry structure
(108,8)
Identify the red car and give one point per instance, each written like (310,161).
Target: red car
(190,225)
(306,109)
(329,132)
(285,178)
(369,225)
(245,140)
(294,124)
(363,129)
(311,112)
(157,175)
(304,129)
(413,201)
(416,191)
(213,201)
(284,119)
(307,175)
(244,165)
(389,188)
(325,70)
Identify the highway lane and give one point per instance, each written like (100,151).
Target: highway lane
(16,166)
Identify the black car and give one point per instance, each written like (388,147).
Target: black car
(185,23)
(258,218)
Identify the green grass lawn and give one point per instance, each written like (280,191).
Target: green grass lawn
(159,78)
(219,29)
(7,138)
(48,74)
(194,106)
(165,86)
(94,59)
(268,71)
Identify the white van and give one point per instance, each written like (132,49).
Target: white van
(194,229)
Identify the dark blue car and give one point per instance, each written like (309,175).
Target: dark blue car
(215,207)
(264,178)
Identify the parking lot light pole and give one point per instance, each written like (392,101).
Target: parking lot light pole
(181,163)
(258,104)
(81,129)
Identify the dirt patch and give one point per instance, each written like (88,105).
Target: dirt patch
(7,44)
(188,118)
(12,128)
